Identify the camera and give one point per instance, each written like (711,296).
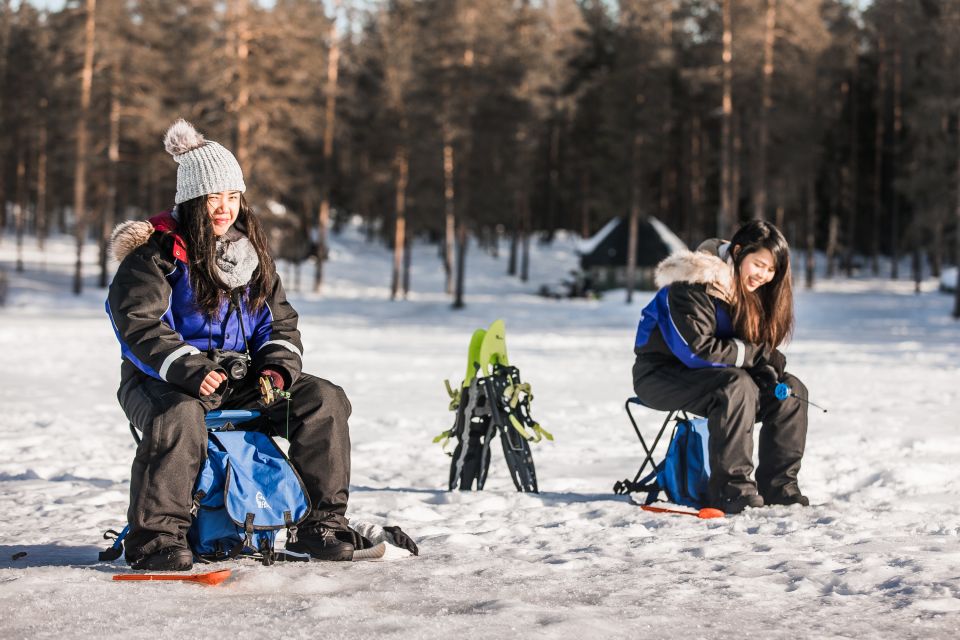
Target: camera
(234,362)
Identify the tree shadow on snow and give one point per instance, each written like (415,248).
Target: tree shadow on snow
(24,556)
(547,497)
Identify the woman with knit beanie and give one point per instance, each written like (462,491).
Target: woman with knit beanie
(196,292)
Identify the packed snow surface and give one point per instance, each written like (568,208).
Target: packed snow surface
(876,555)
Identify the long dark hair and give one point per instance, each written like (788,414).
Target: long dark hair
(763,316)
(196,228)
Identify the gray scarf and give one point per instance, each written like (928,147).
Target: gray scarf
(236,259)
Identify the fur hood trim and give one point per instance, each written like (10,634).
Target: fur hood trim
(129,235)
(695,267)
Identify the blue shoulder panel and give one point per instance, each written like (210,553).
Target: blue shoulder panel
(124,350)
(657,315)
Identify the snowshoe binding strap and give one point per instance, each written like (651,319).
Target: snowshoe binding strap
(116,549)
(454,396)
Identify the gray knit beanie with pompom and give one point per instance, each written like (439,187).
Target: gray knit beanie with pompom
(204,165)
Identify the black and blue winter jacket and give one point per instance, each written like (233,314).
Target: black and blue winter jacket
(689,317)
(161,331)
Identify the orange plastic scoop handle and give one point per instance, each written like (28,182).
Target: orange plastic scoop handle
(210,578)
(704,514)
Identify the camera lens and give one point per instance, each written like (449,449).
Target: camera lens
(238,369)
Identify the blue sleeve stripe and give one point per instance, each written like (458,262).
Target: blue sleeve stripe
(656,316)
(125,351)
(262,333)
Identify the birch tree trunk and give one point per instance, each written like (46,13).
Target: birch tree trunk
(897,128)
(405,281)
(109,213)
(584,204)
(838,201)
(760,181)
(41,214)
(449,209)
(5,26)
(525,231)
(470,30)
(696,181)
(956,290)
(853,202)
(400,226)
(735,174)
(80,175)
(725,217)
(634,221)
(20,211)
(330,120)
(878,141)
(811,223)
(242,101)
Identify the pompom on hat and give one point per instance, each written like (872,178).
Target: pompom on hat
(204,165)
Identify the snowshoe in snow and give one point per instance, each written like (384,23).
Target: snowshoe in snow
(492,400)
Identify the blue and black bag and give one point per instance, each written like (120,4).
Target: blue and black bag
(245,493)
(684,473)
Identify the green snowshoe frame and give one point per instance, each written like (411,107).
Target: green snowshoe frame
(491,399)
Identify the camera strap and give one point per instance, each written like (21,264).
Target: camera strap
(235,303)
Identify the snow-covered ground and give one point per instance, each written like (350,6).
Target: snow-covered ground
(877,555)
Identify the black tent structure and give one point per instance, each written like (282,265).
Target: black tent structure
(603,257)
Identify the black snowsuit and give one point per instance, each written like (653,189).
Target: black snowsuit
(691,361)
(169,409)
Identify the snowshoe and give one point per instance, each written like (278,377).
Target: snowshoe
(491,400)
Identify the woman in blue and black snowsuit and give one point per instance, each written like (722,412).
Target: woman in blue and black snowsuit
(707,344)
(204,324)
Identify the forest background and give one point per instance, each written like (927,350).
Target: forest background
(501,120)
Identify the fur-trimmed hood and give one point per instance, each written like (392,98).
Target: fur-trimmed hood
(129,235)
(704,266)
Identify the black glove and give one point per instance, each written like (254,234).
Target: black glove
(765,376)
(354,538)
(778,361)
(403,540)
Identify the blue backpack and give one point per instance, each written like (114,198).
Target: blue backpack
(684,472)
(246,492)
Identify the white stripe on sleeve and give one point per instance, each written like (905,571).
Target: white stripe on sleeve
(741,352)
(285,344)
(179,353)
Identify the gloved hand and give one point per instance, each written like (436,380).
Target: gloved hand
(403,540)
(778,361)
(270,383)
(765,376)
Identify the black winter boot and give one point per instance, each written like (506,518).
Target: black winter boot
(737,504)
(321,543)
(169,559)
(788,496)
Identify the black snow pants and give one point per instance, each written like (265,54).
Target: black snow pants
(731,400)
(174,446)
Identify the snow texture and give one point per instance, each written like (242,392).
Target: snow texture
(876,555)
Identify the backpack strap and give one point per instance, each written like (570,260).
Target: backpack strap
(197,497)
(649,484)
(267,555)
(291,527)
(248,530)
